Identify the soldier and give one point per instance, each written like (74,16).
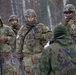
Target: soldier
(35,35)
(13,19)
(7,38)
(70,21)
(59,58)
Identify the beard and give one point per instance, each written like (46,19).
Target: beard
(32,23)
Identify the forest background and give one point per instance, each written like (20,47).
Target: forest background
(49,12)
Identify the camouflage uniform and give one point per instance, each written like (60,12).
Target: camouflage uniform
(59,58)
(33,45)
(7,37)
(70,21)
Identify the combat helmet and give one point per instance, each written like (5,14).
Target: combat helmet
(30,12)
(13,17)
(69,7)
(59,31)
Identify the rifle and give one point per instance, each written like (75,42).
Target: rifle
(18,64)
(65,22)
(15,59)
(21,69)
(18,70)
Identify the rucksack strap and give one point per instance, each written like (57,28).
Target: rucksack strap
(22,42)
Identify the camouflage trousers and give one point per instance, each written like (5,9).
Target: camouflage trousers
(30,61)
(7,67)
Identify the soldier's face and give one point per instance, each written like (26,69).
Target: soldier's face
(30,19)
(69,14)
(14,22)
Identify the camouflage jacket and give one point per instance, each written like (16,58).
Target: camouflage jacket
(57,59)
(71,27)
(31,44)
(7,33)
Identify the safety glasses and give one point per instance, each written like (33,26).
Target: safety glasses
(68,12)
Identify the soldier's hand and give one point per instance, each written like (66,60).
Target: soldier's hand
(70,22)
(2,40)
(73,26)
(65,22)
(73,29)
